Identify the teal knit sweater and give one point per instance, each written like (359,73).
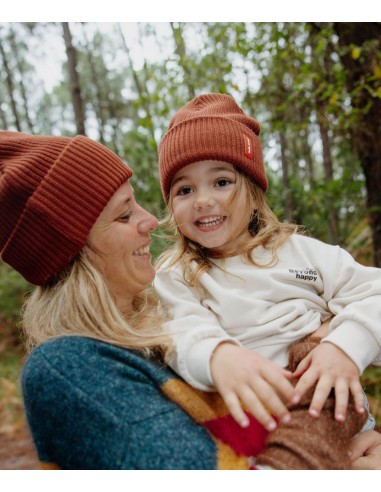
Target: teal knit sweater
(91,405)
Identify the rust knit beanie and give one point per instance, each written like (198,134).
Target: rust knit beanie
(211,127)
(52,190)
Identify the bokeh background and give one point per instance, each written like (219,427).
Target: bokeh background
(315,88)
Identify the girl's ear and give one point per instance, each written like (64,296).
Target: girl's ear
(253,226)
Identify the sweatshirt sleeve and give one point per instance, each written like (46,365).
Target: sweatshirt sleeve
(353,295)
(195,329)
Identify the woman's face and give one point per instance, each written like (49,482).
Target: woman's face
(120,246)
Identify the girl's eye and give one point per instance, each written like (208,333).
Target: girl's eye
(185,190)
(223,182)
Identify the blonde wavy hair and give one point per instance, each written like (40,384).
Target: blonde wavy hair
(79,303)
(269,233)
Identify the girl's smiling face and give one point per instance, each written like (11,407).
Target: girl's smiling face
(207,206)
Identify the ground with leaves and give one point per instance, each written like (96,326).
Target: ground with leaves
(16,447)
(17,451)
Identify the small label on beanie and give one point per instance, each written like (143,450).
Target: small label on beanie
(248,146)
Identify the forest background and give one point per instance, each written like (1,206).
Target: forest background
(315,88)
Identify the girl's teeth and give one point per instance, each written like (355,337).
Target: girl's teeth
(210,222)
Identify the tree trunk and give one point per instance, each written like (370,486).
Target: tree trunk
(366,131)
(3,117)
(306,148)
(98,102)
(21,82)
(309,163)
(11,88)
(141,89)
(333,221)
(324,66)
(181,53)
(75,87)
(288,201)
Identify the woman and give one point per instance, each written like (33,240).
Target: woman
(96,392)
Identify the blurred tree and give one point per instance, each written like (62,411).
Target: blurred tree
(361,56)
(75,87)
(10,84)
(181,52)
(97,97)
(20,66)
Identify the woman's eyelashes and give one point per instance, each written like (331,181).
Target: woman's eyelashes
(125,217)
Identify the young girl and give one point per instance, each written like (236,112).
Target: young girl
(243,287)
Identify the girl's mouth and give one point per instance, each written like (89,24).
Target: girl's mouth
(210,222)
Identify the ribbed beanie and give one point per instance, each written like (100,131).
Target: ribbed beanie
(211,127)
(52,190)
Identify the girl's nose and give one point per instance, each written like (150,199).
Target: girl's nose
(203,200)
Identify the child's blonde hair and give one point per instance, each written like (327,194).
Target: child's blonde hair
(267,231)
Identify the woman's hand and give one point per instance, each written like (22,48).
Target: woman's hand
(243,377)
(365,451)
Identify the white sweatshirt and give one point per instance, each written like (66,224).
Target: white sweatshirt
(267,309)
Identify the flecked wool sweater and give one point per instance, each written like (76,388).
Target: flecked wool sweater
(91,405)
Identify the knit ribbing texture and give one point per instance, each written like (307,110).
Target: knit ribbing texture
(52,190)
(211,127)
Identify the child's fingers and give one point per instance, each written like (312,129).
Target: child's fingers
(320,396)
(341,400)
(267,394)
(358,396)
(286,373)
(234,406)
(302,366)
(307,380)
(255,406)
(282,386)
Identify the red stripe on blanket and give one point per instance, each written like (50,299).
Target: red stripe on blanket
(247,441)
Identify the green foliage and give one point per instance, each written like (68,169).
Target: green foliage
(11,409)
(12,291)
(13,288)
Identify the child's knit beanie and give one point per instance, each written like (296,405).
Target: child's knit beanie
(52,190)
(211,127)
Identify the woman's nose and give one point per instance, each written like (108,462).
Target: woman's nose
(147,223)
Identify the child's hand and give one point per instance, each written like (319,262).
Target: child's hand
(331,368)
(243,376)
